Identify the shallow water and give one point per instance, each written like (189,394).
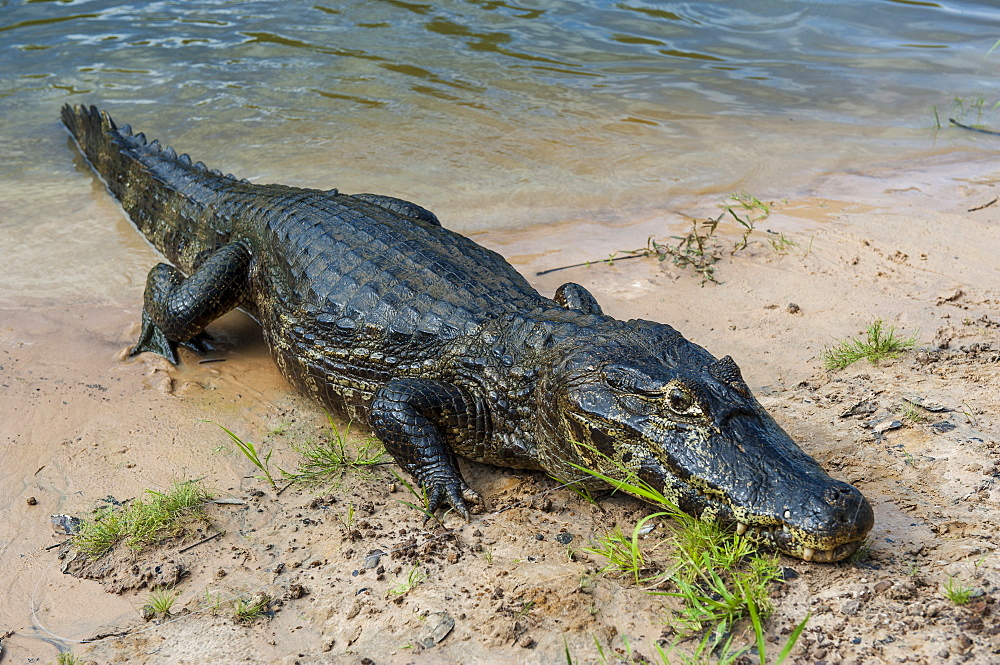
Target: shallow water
(494,114)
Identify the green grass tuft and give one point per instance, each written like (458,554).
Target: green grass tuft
(245,611)
(622,551)
(250,452)
(327,460)
(719,578)
(160,602)
(413,579)
(141,523)
(880,342)
(957,592)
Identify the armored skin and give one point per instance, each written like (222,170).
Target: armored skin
(388,319)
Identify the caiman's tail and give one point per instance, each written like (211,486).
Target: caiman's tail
(177,205)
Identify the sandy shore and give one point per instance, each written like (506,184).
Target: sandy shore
(915,247)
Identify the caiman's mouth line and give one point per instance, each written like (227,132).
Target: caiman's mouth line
(780,536)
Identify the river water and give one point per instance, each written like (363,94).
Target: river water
(499,115)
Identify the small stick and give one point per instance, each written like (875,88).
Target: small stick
(205,361)
(203,540)
(972,129)
(587,263)
(985,205)
(52,547)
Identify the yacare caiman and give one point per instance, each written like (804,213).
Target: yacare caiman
(389,319)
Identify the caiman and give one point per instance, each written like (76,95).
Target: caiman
(437,344)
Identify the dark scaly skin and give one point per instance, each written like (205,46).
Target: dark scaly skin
(444,350)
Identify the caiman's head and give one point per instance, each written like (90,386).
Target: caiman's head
(648,401)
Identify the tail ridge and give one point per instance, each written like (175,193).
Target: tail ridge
(165,194)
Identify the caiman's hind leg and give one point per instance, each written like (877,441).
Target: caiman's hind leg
(178,308)
(412,417)
(575,297)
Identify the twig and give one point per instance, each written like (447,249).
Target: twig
(587,263)
(972,129)
(52,547)
(104,636)
(205,361)
(985,205)
(200,542)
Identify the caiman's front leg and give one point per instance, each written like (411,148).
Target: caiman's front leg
(177,309)
(414,419)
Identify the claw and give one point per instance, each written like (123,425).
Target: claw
(153,340)
(462,498)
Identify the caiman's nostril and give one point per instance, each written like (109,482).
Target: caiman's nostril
(839,496)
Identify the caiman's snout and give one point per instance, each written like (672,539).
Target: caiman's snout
(829,523)
(829,526)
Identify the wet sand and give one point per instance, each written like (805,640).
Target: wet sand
(901,244)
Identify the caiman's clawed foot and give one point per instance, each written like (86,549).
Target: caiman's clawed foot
(409,415)
(465,500)
(153,340)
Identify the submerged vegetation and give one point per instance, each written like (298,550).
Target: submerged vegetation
(140,523)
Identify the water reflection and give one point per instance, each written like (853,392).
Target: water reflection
(496,114)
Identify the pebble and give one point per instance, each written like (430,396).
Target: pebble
(851,607)
(882,424)
(32,501)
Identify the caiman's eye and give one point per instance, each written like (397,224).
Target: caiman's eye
(680,400)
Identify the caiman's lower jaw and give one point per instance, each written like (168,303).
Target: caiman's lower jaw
(781,538)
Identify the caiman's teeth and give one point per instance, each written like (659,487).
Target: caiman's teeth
(807,553)
(741,528)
